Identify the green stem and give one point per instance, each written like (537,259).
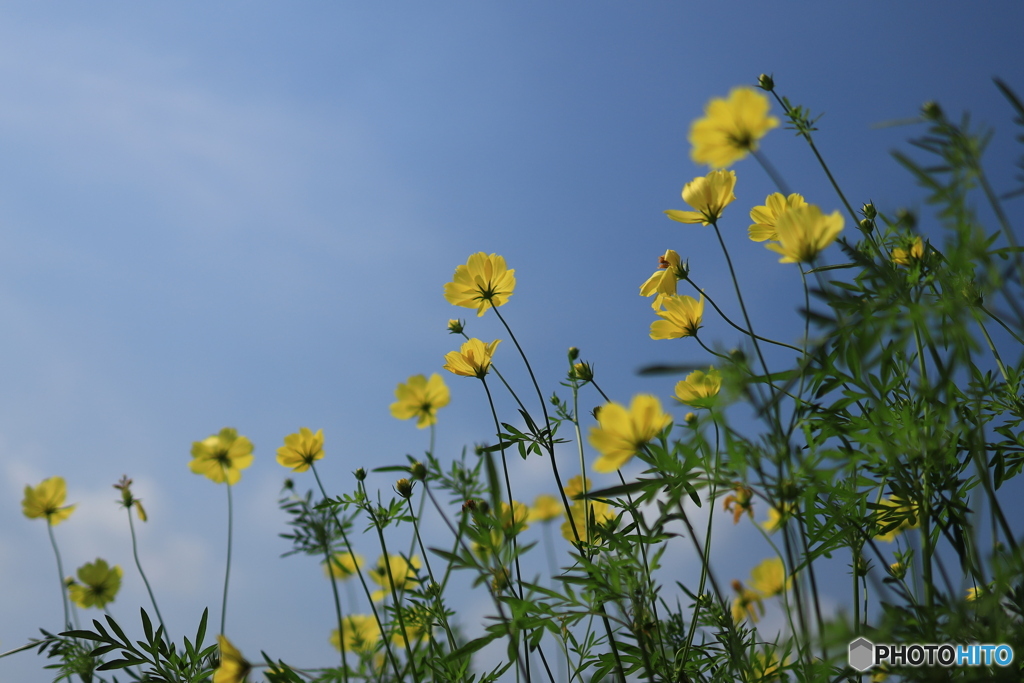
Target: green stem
(227,568)
(60,575)
(138,564)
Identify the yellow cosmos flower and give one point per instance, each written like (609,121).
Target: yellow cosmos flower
(766,216)
(302,449)
(233,667)
(804,232)
(974,593)
(545,508)
(473,359)
(587,516)
(670,271)
(904,257)
(455,326)
(776,518)
(738,502)
(621,433)
(514,518)
(99,584)
(420,398)
(730,128)
(414,633)
(681,316)
(769,577)
(361,632)
(896,509)
(576,486)
(699,389)
(709,195)
(343,565)
(47,500)
(747,605)
(222,457)
(483,282)
(403,571)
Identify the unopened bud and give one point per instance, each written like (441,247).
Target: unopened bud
(690,418)
(418,470)
(867,225)
(360,474)
(931,110)
(765,82)
(583,371)
(456,326)
(868,210)
(574,353)
(404,488)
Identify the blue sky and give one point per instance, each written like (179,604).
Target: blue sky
(243,214)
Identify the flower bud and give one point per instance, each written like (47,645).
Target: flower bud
(931,110)
(867,225)
(765,82)
(360,474)
(469,505)
(897,570)
(906,217)
(418,471)
(483,506)
(456,326)
(690,418)
(583,372)
(574,353)
(860,566)
(404,488)
(869,211)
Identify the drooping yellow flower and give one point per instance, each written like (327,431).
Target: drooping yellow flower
(730,128)
(747,605)
(670,271)
(302,449)
(233,667)
(361,631)
(128,501)
(709,195)
(482,283)
(621,433)
(769,577)
(222,457)
(681,316)
(343,565)
(699,389)
(896,509)
(403,571)
(904,257)
(803,233)
(473,359)
(738,502)
(47,500)
(99,584)
(766,216)
(545,508)
(420,398)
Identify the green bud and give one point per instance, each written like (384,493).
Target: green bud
(574,353)
(869,211)
(360,474)
(583,372)
(765,82)
(690,419)
(931,110)
(418,470)
(403,487)
(456,326)
(867,225)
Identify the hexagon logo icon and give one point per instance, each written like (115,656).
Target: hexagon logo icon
(862,654)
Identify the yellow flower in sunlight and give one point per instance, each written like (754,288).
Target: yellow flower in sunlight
(414,633)
(747,604)
(730,128)
(670,271)
(587,516)
(974,593)
(99,584)
(300,450)
(709,195)
(765,667)
(766,216)
(472,360)
(776,518)
(403,571)
(769,577)
(233,667)
(896,509)
(904,257)
(47,500)
(343,565)
(576,486)
(681,316)
(222,457)
(898,570)
(699,389)
(483,282)
(455,326)
(514,518)
(804,232)
(362,633)
(545,508)
(420,398)
(621,433)
(738,502)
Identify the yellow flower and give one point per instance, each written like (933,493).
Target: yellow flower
(776,518)
(730,128)
(455,326)
(362,633)
(513,519)
(414,633)
(699,389)
(577,486)
(598,514)
(898,570)
(300,450)
(766,667)
(420,398)
(472,360)
(222,457)
(47,500)
(670,271)
(99,584)
(343,565)
(709,195)
(739,503)
(895,509)
(404,573)
(765,217)
(483,282)
(681,317)
(803,232)
(769,577)
(974,593)
(621,433)
(233,667)
(904,257)
(545,508)
(747,604)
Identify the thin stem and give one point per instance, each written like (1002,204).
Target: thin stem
(60,574)
(227,568)
(135,553)
(737,327)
